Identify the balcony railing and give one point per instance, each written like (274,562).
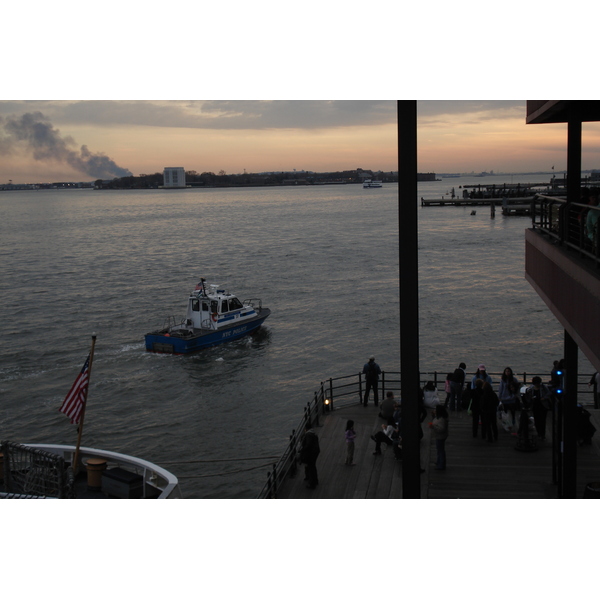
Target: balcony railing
(573,225)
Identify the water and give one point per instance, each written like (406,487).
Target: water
(324,259)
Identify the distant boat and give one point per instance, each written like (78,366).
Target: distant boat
(372,183)
(213,316)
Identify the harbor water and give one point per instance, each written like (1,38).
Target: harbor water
(324,259)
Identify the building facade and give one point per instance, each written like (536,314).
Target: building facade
(174,177)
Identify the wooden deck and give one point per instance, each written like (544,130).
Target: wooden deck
(476,469)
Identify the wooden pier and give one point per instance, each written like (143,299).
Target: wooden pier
(509,206)
(476,469)
(449,201)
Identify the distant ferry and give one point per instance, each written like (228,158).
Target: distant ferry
(372,183)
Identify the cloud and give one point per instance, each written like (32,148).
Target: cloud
(216,114)
(34,134)
(232,115)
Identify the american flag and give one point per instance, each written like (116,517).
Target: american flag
(73,403)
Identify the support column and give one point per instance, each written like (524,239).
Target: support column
(574,153)
(409,297)
(568,472)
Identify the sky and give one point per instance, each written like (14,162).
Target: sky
(83,140)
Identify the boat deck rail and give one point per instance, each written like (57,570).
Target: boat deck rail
(565,223)
(253,302)
(157,482)
(347,390)
(34,473)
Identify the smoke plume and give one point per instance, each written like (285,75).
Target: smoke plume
(34,133)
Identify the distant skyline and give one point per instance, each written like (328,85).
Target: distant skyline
(82,140)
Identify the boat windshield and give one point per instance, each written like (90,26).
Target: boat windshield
(234,304)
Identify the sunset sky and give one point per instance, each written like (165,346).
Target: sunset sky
(43,140)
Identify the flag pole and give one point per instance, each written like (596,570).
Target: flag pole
(80,428)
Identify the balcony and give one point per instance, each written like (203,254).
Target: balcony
(562,263)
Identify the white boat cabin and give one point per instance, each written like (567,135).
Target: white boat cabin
(216,308)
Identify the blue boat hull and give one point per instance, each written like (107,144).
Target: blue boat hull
(172,344)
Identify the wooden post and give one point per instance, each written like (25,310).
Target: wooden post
(80,427)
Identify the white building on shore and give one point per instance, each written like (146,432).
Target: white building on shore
(174,177)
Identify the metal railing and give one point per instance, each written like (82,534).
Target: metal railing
(568,224)
(340,392)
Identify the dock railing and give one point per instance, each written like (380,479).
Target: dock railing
(567,223)
(348,390)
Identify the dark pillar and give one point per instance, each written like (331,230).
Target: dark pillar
(409,297)
(567,485)
(574,153)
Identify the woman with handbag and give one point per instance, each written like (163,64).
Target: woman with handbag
(508,393)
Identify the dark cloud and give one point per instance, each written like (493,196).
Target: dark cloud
(34,134)
(213,114)
(261,114)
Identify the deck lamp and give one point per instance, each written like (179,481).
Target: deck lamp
(327,404)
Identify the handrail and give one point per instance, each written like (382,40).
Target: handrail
(337,392)
(566,222)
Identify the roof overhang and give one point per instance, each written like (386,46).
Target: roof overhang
(557,111)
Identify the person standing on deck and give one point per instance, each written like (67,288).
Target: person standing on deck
(350,436)
(489,410)
(308,455)
(456,387)
(372,372)
(475,406)
(507,392)
(539,398)
(480,374)
(440,430)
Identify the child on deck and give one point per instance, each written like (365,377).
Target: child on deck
(448,388)
(350,435)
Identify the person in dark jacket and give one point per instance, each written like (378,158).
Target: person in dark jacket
(489,410)
(475,405)
(309,452)
(388,406)
(456,386)
(539,398)
(372,372)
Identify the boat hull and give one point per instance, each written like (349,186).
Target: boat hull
(170,344)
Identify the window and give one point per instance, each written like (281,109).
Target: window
(196,305)
(235,304)
(224,307)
